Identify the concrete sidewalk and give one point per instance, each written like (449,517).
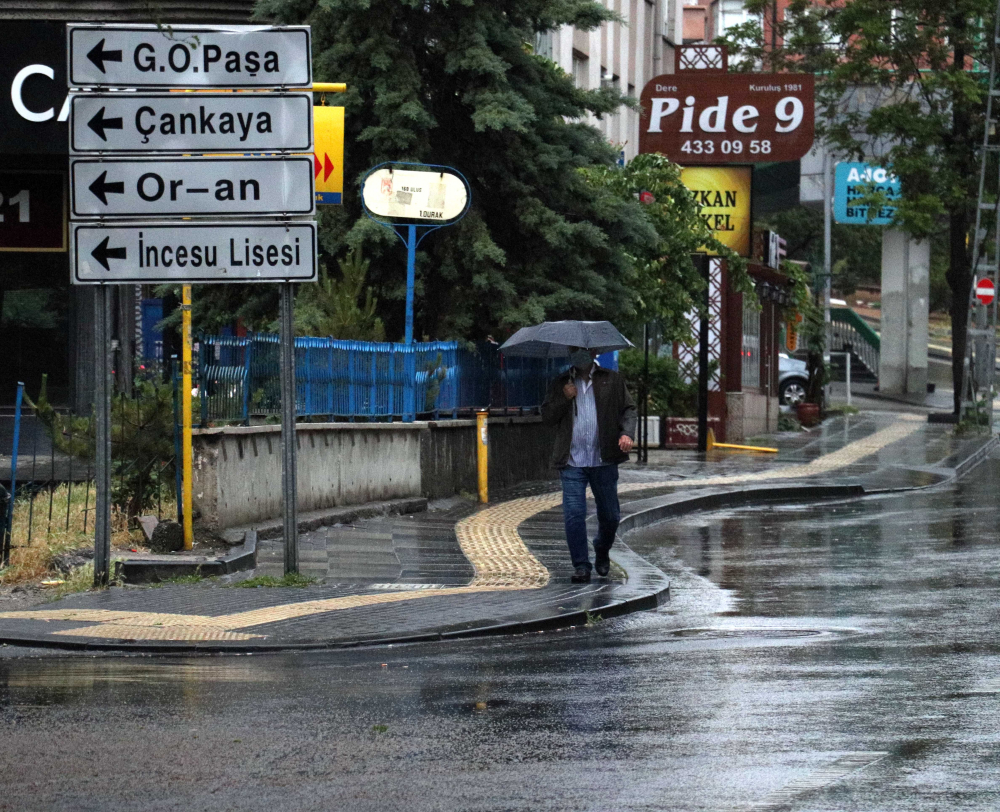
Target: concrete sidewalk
(502,568)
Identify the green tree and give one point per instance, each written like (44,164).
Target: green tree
(664,277)
(456,82)
(901,83)
(341,308)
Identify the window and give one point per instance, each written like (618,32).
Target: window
(751,345)
(581,70)
(543,44)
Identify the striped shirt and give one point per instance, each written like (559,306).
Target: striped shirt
(585,448)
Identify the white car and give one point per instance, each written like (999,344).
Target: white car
(793,380)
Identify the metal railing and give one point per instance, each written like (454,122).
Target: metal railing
(850,333)
(238,377)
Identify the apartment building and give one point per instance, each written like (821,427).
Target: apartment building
(624,54)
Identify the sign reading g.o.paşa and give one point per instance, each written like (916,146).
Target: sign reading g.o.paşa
(727,118)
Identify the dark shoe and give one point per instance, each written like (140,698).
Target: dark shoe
(580,576)
(602,563)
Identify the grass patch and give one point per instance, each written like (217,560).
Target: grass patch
(593,619)
(380,728)
(80,580)
(56,521)
(291,579)
(841,409)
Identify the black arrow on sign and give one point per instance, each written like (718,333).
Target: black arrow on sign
(101,189)
(99,124)
(102,253)
(98,56)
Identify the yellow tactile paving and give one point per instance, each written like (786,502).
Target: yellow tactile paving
(488,538)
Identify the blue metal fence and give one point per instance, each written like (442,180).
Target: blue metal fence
(238,377)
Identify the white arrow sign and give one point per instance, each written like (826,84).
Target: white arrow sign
(190,122)
(162,252)
(157,187)
(188,56)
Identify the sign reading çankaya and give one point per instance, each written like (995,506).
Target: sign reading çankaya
(191,123)
(193,252)
(157,187)
(188,56)
(727,118)
(407,194)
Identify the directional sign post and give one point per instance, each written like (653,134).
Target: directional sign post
(182,123)
(187,187)
(985,291)
(163,251)
(138,175)
(182,56)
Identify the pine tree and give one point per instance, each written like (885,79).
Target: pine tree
(340,308)
(457,83)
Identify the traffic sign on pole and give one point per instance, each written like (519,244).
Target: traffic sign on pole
(190,122)
(188,187)
(214,252)
(985,291)
(183,56)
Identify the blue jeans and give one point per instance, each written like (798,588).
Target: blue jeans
(603,481)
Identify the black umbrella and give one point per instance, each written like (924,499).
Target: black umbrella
(553,339)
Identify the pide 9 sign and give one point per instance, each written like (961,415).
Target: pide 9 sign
(724,118)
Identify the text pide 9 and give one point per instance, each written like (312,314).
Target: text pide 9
(739,126)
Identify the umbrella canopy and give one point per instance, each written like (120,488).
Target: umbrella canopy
(553,339)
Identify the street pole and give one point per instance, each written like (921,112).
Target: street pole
(288,470)
(702,261)
(409,359)
(102,436)
(186,439)
(827,265)
(644,451)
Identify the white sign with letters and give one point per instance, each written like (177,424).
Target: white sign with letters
(163,187)
(188,56)
(406,194)
(190,122)
(164,252)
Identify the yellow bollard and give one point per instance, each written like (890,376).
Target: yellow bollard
(712,444)
(482,455)
(186,440)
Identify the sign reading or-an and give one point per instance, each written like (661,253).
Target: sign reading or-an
(32,211)
(191,122)
(408,195)
(164,252)
(727,118)
(159,187)
(985,291)
(723,192)
(329,157)
(853,181)
(181,56)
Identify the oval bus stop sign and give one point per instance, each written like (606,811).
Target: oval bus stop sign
(432,196)
(985,291)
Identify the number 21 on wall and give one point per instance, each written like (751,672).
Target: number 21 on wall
(23,202)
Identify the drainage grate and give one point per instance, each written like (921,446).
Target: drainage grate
(818,779)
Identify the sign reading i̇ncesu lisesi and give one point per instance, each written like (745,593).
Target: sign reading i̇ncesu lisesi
(853,181)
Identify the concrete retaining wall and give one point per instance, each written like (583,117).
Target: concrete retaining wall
(237,470)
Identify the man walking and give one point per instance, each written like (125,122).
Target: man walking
(595,420)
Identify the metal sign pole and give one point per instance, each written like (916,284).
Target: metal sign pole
(288,470)
(410,359)
(102,435)
(702,262)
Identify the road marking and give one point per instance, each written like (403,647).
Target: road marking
(837,770)
(489,539)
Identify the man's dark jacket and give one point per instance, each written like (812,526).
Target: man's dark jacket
(616,415)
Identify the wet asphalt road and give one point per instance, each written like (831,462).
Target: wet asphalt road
(834,657)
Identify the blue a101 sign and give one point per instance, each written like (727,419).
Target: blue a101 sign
(854,180)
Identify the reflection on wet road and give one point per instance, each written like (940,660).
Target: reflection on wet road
(834,657)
